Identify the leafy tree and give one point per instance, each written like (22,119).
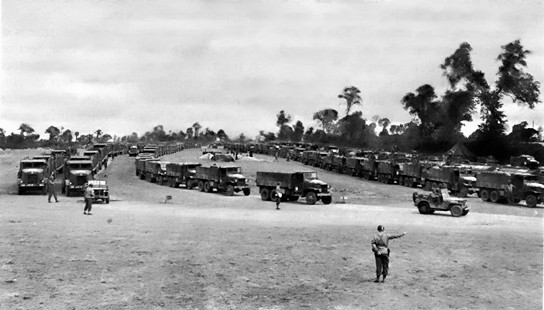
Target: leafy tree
(286,133)
(189,132)
(53,132)
(520,133)
(196,127)
(77,135)
(351,128)
(352,96)
(105,138)
(98,133)
(25,129)
(283,119)
(67,136)
(384,122)
(327,117)
(133,137)
(222,135)
(298,131)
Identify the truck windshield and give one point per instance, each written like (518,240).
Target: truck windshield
(310,175)
(78,166)
(32,165)
(530,178)
(234,170)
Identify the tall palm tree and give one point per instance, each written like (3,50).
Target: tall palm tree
(351,94)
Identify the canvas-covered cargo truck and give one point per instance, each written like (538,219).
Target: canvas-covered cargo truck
(76,174)
(155,171)
(32,175)
(388,171)
(458,180)
(227,179)
(493,187)
(181,173)
(338,163)
(139,164)
(294,185)
(354,166)
(410,174)
(94,156)
(309,158)
(369,168)
(326,161)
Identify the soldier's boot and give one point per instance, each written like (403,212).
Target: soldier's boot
(377,279)
(383,280)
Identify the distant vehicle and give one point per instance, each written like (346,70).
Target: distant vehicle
(133,151)
(181,173)
(227,179)
(294,185)
(492,185)
(101,190)
(76,174)
(440,201)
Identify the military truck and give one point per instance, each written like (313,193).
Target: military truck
(227,179)
(32,175)
(181,173)
(457,179)
(94,156)
(294,185)
(76,174)
(139,163)
(155,171)
(104,150)
(133,151)
(369,168)
(493,186)
(354,166)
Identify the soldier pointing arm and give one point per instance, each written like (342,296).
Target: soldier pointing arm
(380,247)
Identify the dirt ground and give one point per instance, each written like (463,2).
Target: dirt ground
(209,251)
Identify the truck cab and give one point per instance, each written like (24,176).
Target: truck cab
(32,175)
(76,174)
(228,179)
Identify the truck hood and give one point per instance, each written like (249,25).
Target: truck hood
(468,178)
(316,182)
(80,172)
(535,185)
(236,176)
(33,170)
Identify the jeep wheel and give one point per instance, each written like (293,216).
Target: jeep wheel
(465,212)
(484,193)
(265,194)
(494,196)
(228,192)
(531,201)
(463,192)
(201,186)
(311,198)
(326,200)
(207,187)
(424,207)
(456,210)
(246,191)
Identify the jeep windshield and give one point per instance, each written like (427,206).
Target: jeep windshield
(310,175)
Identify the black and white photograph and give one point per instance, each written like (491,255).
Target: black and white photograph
(271,154)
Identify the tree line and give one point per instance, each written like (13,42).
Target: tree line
(435,126)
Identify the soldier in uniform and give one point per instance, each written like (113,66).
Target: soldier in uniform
(88,194)
(380,247)
(278,196)
(51,188)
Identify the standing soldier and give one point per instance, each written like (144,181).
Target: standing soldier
(510,192)
(88,194)
(51,188)
(380,247)
(278,196)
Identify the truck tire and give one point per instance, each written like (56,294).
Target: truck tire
(531,201)
(456,210)
(327,200)
(494,196)
(311,198)
(265,194)
(20,191)
(229,191)
(108,200)
(68,193)
(246,191)
(424,208)
(207,187)
(189,184)
(463,192)
(484,193)
(201,186)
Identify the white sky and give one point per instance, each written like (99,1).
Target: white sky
(124,66)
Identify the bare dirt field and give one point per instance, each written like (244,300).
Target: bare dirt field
(209,251)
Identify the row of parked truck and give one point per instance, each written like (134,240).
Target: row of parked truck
(488,181)
(229,179)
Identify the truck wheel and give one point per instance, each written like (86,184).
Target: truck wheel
(207,187)
(311,198)
(456,210)
(201,186)
(142,176)
(265,194)
(326,200)
(229,191)
(463,192)
(20,191)
(531,201)
(494,196)
(484,193)
(189,184)
(68,193)
(108,200)
(246,191)
(424,207)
